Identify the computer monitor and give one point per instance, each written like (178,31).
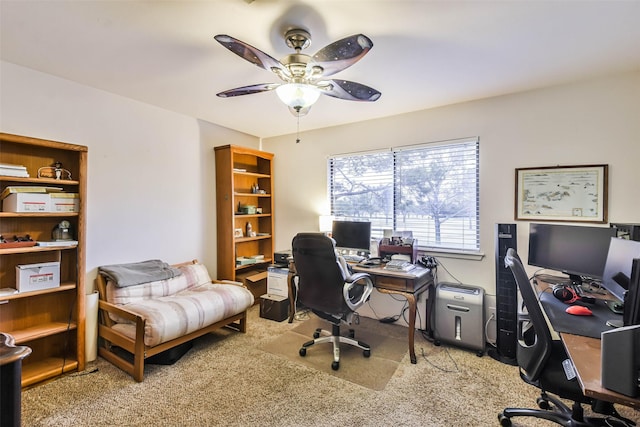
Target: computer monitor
(617,269)
(354,235)
(578,251)
(631,315)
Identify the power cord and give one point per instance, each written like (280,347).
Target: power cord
(424,356)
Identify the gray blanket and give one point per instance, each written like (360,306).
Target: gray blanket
(138,272)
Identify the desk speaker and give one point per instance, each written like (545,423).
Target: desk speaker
(621,360)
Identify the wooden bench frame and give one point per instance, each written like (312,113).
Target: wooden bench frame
(109,338)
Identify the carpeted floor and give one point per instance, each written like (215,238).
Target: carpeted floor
(227,379)
(388,346)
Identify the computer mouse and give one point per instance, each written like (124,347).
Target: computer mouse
(579,310)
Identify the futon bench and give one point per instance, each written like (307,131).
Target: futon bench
(149,318)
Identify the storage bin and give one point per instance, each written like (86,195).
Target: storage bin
(34,277)
(26,202)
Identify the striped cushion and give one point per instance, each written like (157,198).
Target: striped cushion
(192,275)
(173,316)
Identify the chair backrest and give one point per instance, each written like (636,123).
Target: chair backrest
(534,338)
(321,278)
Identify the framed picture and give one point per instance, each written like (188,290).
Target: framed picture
(562,193)
(237,233)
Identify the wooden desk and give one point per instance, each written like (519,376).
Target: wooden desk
(406,284)
(585,353)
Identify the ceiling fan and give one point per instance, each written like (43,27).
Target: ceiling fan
(303,77)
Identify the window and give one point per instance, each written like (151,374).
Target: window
(431,190)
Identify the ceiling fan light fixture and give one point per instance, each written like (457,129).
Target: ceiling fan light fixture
(298,96)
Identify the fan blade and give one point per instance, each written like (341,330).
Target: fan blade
(248,90)
(250,53)
(350,91)
(342,54)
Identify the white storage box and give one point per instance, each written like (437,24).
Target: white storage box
(278,281)
(65,202)
(34,277)
(26,202)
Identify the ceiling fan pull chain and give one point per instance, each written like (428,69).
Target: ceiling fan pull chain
(298,129)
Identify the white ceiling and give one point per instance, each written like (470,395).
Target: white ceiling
(425,54)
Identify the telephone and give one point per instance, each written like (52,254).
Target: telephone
(428,261)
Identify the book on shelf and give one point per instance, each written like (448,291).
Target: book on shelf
(12,166)
(53,243)
(29,189)
(8,169)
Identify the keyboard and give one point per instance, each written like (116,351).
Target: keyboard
(353,258)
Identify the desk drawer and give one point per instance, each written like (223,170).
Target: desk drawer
(394,283)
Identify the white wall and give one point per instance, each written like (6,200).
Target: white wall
(151,172)
(152,180)
(593,122)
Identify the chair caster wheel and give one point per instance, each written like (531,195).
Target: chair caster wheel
(366,353)
(316,334)
(543,403)
(480,353)
(436,343)
(335,366)
(303,352)
(504,421)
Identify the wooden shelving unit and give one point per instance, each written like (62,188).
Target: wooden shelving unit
(238,171)
(50,321)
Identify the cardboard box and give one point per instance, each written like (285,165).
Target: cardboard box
(65,202)
(26,202)
(274,307)
(255,281)
(35,277)
(278,281)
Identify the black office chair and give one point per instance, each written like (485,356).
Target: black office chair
(325,286)
(540,360)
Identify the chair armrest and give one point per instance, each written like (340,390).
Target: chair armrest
(357,279)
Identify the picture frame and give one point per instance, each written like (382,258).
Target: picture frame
(237,233)
(562,193)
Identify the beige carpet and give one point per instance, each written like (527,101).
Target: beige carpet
(228,380)
(373,372)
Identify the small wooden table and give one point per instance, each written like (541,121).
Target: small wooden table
(409,285)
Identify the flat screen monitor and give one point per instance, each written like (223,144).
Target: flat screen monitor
(617,269)
(352,235)
(631,315)
(578,251)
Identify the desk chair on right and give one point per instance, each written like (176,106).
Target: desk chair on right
(540,360)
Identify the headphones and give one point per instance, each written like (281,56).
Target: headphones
(565,293)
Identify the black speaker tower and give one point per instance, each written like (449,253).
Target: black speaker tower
(506,298)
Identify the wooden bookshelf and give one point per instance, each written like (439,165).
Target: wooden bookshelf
(49,321)
(238,171)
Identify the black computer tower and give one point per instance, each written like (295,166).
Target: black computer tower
(506,298)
